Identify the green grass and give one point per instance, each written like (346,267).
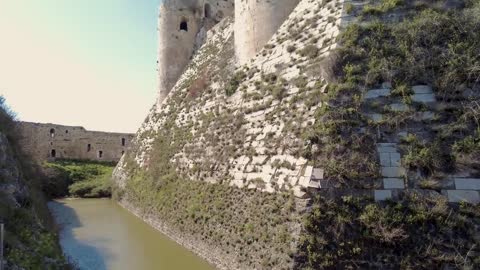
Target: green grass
(86,179)
(222,216)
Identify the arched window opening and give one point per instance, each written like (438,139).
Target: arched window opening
(53,153)
(184,26)
(208,11)
(123,141)
(100,154)
(66,131)
(89,147)
(52,132)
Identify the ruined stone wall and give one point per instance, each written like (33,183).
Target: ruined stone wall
(50,141)
(181,30)
(255,23)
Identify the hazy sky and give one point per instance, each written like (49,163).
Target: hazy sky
(79,62)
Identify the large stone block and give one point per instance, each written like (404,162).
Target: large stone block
(387,148)
(395,159)
(376,93)
(318,174)
(298,192)
(308,172)
(376,117)
(393,183)
(467,183)
(424,98)
(392,172)
(382,195)
(304,181)
(470,196)
(385,159)
(422,89)
(399,107)
(314,184)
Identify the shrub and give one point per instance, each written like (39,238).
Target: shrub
(79,178)
(235,82)
(309,51)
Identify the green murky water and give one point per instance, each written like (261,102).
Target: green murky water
(99,235)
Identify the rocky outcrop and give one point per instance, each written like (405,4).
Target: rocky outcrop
(12,187)
(29,241)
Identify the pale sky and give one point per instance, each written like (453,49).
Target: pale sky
(89,63)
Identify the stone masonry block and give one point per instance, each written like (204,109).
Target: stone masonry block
(393,183)
(422,89)
(376,117)
(318,174)
(470,196)
(467,183)
(386,148)
(424,98)
(382,195)
(308,172)
(385,160)
(376,93)
(304,181)
(399,107)
(392,172)
(395,159)
(314,184)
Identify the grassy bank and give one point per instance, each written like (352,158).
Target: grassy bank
(76,178)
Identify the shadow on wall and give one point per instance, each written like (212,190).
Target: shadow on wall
(82,255)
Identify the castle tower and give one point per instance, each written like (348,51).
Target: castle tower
(179,26)
(256,21)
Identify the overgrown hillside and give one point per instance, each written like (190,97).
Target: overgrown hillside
(369,109)
(30,243)
(431,46)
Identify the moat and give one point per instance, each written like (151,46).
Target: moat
(99,234)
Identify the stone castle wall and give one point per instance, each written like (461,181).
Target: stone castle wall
(182,26)
(267,140)
(50,141)
(256,22)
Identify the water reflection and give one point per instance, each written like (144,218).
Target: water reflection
(99,234)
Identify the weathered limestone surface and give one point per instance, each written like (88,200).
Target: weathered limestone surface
(269,159)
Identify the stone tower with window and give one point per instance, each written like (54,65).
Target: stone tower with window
(183,24)
(182,27)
